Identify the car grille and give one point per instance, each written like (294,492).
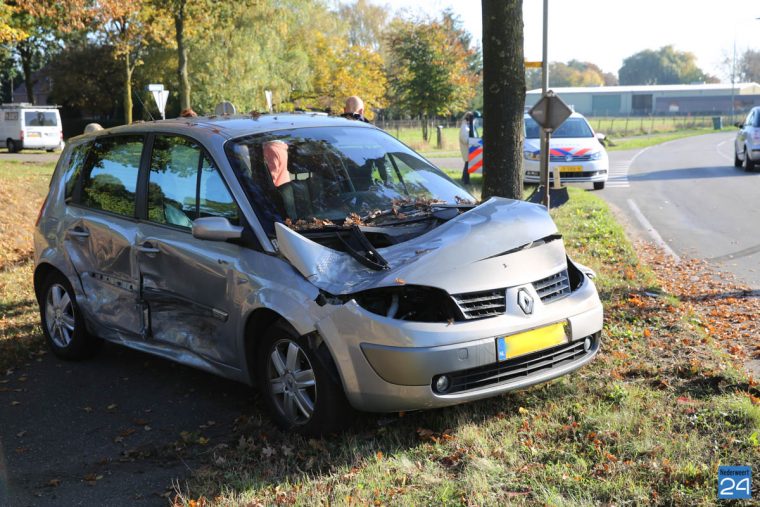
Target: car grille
(576,158)
(519,367)
(553,287)
(489,303)
(476,305)
(582,174)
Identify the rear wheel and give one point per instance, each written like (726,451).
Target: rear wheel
(748,163)
(599,185)
(13,146)
(737,160)
(62,322)
(300,391)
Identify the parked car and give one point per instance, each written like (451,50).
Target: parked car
(31,127)
(316,257)
(747,143)
(575,151)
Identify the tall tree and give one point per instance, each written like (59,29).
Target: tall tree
(748,67)
(340,70)
(364,23)
(504,98)
(44,24)
(190,19)
(129,26)
(429,73)
(663,66)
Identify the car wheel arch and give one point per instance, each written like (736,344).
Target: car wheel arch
(41,272)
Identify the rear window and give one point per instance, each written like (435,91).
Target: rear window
(109,181)
(40,119)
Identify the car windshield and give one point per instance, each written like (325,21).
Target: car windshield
(573,127)
(337,175)
(40,119)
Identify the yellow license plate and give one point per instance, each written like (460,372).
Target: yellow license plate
(571,169)
(534,340)
(34,134)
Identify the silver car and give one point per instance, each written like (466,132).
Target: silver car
(315,257)
(747,142)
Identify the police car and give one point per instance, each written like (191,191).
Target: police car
(575,151)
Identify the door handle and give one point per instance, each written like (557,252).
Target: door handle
(147,248)
(79,232)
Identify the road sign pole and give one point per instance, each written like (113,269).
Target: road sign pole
(544,157)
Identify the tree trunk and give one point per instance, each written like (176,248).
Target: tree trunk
(184,80)
(26,53)
(425,134)
(503,98)
(127,90)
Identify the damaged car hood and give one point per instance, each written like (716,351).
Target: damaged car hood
(488,246)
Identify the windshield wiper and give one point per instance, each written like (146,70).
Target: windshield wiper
(358,246)
(413,212)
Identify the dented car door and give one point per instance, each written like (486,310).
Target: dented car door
(186,281)
(100,229)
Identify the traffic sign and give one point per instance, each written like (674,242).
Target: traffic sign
(550,111)
(160,97)
(533,65)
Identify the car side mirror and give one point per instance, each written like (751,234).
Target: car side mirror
(216,229)
(738,124)
(601,138)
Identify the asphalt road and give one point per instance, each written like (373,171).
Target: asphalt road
(111,431)
(688,196)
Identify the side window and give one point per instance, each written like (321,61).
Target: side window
(110,177)
(173,181)
(76,161)
(214,199)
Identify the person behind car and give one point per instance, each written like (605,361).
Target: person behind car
(354,109)
(466,131)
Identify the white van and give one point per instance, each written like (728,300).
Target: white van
(31,127)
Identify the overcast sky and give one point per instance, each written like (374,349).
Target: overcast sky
(605,32)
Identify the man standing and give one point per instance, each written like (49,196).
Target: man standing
(354,109)
(466,131)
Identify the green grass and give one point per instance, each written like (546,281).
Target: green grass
(632,143)
(23,187)
(647,422)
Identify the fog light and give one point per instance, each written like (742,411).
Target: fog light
(442,384)
(587,344)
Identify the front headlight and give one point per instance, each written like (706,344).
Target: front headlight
(596,155)
(531,155)
(410,302)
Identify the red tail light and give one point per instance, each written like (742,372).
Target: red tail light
(42,209)
(21,135)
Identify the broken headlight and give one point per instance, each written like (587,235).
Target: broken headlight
(410,302)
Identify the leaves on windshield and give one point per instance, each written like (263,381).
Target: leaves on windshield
(305,225)
(461,200)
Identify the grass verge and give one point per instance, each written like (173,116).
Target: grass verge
(649,421)
(633,143)
(23,187)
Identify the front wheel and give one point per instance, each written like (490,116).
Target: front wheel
(62,322)
(599,185)
(301,393)
(737,160)
(748,163)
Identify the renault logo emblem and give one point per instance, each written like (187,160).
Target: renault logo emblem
(525,301)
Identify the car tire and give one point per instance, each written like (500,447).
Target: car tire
(62,322)
(749,165)
(299,388)
(12,146)
(599,185)
(737,161)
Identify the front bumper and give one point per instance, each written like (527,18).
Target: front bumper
(389,365)
(592,171)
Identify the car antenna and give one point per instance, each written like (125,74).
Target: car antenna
(144,108)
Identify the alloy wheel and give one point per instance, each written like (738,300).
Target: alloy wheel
(292,383)
(59,315)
